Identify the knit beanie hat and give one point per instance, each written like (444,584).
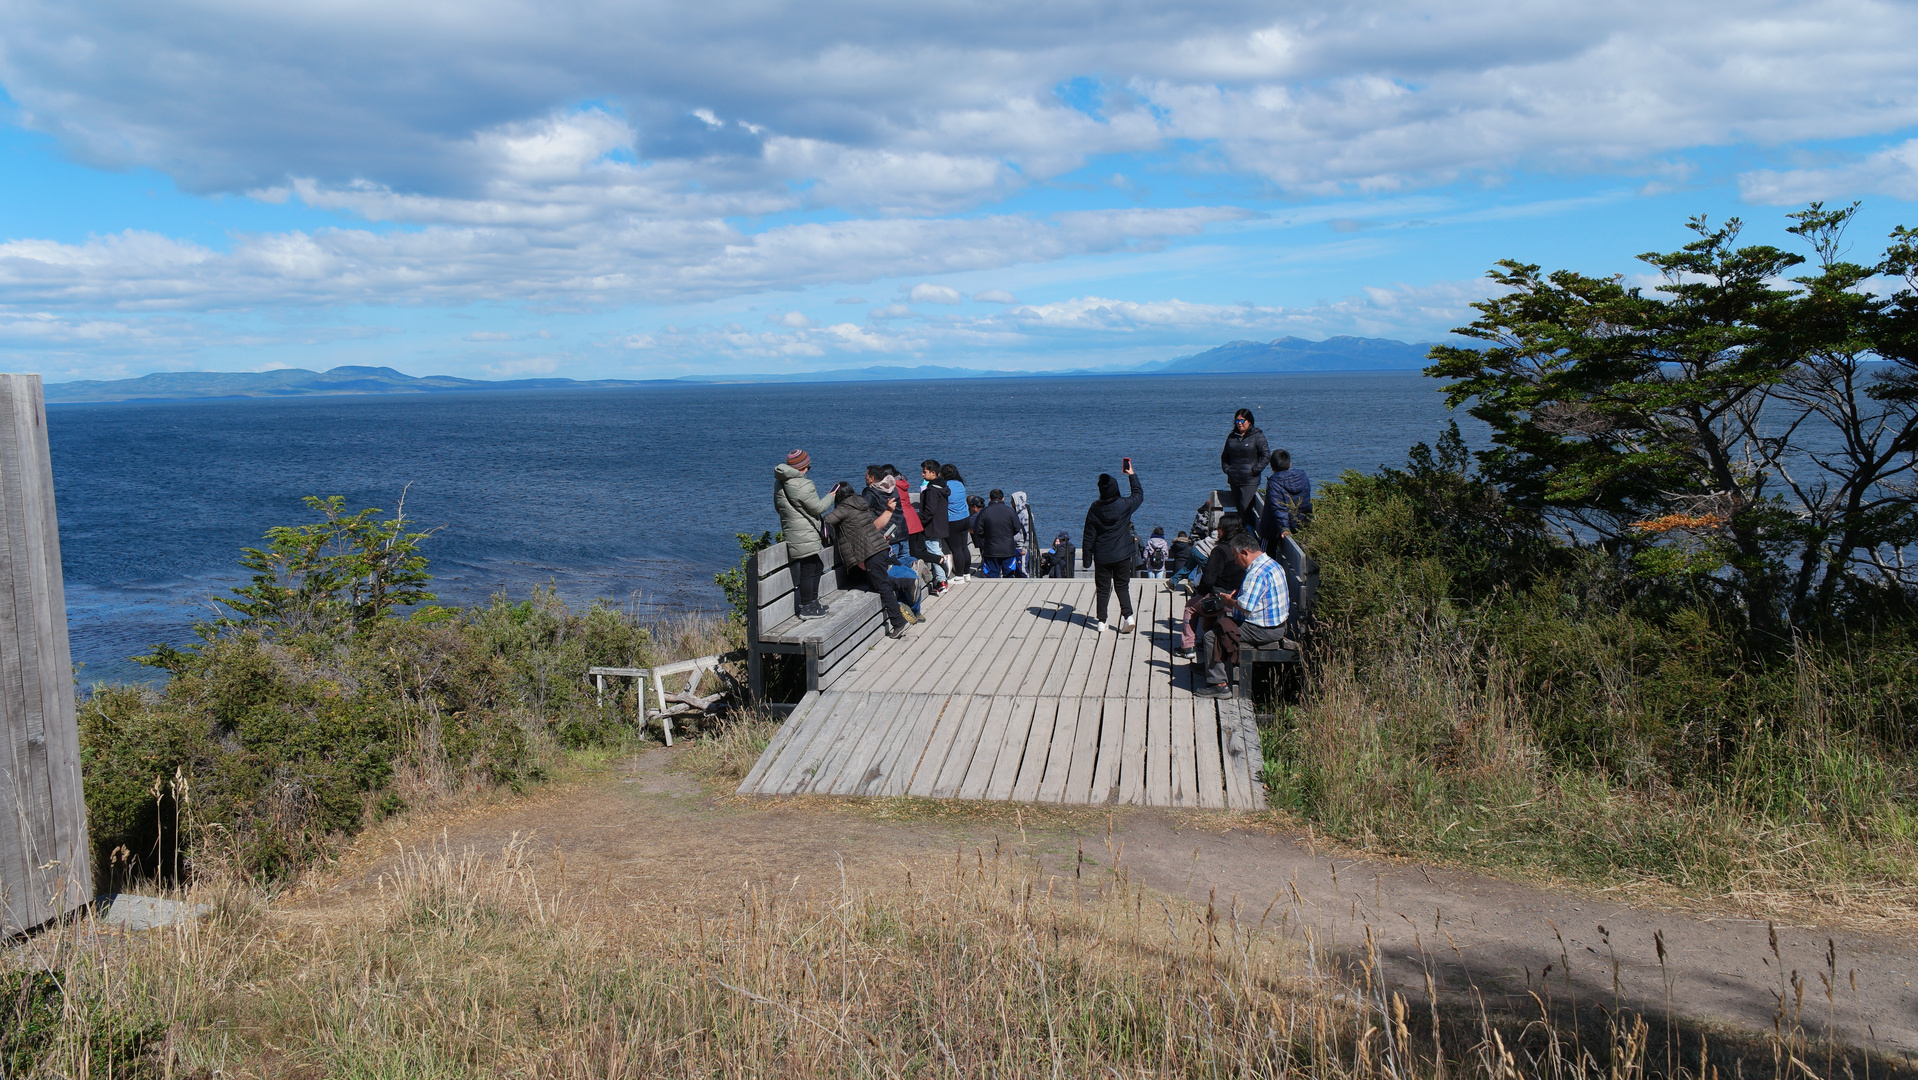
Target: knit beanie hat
(1108,487)
(798,459)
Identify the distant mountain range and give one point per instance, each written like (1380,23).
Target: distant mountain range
(1284,354)
(1298,354)
(293,382)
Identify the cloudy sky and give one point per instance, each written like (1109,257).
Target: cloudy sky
(600,188)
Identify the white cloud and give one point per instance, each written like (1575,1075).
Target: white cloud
(934,294)
(1082,331)
(885,108)
(629,260)
(792,320)
(603,153)
(1892,171)
(488,335)
(1401,311)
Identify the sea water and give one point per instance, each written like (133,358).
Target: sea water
(635,494)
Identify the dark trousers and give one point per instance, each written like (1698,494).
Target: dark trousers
(1108,577)
(1251,636)
(1243,496)
(877,575)
(959,544)
(807,572)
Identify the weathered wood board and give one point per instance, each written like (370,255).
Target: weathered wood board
(46,866)
(1007,693)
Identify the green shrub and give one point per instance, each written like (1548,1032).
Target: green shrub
(34,1019)
(1481,690)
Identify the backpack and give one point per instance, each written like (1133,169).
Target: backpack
(1155,554)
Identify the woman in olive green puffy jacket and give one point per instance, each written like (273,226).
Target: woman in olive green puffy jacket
(800,510)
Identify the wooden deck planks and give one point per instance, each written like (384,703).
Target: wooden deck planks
(1253,756)
(964,745)
(1006,692)
(856,770)
(808,730)
(1211,772)
(939,748)
(830,747)
(779,740)
(1015,746)
(932,654)
(911,740)
(1185,778)
(993,744)
(1042,739)
(1076,717)
(1110,764)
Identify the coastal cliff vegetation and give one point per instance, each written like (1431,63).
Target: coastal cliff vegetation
(1663,628)
(335,692)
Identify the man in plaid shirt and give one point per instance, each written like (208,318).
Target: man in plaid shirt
(1264,602)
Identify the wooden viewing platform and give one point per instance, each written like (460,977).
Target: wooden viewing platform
(1007,693)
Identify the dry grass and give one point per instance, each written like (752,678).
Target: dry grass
(1425,749)
(689,635)
(980,964)
(726,755)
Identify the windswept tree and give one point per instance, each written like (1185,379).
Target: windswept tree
(1750,433)
(343,572)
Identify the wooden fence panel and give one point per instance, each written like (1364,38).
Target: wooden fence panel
(46,867)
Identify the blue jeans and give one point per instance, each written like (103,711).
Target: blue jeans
(938,550)
(1194,565)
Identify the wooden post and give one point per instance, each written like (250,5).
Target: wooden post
(46,865)
(755,664)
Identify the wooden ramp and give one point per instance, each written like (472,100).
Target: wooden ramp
(1006,692)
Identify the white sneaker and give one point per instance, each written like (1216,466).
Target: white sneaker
(1098,627)
(1128,625)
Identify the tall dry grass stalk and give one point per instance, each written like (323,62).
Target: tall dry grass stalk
(986,964)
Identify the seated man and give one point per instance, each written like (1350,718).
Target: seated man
(1261,613)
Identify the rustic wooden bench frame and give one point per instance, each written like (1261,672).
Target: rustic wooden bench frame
(830,644)
(694,670)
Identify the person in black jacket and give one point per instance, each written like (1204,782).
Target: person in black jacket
(1107,547)
(932,511)
(996,530)
(1242,460)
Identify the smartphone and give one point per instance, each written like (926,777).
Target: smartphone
(1128,463)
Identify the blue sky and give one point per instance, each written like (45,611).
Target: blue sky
(633,190)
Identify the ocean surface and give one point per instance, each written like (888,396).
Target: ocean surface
(635,494)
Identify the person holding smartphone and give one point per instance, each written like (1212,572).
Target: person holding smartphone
(1107,548)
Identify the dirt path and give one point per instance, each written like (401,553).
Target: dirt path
(650,838)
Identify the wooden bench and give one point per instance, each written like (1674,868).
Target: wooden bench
(694,670)
(1302,585)
(829,644)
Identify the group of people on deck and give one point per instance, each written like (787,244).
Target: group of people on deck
(905,551)
(1240,595)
